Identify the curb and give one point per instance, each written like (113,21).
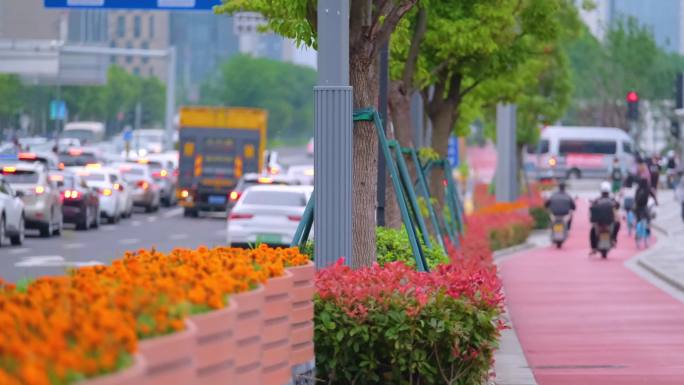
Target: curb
(660,274)
(513,250)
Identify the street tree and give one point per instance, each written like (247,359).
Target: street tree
(475,53)
(371,23)
(284,89)
(10,94)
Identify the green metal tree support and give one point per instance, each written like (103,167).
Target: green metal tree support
(405,192)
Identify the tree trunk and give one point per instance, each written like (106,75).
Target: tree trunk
(442,126)
(400,111)
(363,76)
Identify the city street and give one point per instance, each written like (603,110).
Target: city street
(164,230)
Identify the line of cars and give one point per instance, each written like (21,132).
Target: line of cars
(78,185)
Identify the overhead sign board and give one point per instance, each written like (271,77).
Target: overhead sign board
(134,4)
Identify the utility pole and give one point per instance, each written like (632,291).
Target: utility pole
(333,123)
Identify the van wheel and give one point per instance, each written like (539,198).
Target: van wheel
(574,174)
(18,239)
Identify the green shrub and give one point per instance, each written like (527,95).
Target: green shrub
(541,218)
(393,245)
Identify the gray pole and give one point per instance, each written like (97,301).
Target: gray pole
(333,111)
(506,159)
(382,110)
(170,95)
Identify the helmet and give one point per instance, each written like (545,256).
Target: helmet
(605,187)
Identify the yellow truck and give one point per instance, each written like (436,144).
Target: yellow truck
(217,145)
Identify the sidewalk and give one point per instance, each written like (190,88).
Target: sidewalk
(666,259)
(589,321)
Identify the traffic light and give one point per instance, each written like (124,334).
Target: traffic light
(632,106)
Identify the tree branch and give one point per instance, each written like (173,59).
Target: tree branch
(471,87)
(386,21)
(414,50)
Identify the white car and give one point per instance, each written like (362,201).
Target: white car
(112,205)
(12,225)
(267,214)
(301,174)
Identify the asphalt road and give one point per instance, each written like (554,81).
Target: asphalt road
(164,230)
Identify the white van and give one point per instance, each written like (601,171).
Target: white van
(578,152)
(85,132)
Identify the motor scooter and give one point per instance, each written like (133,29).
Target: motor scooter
(605,238)
(559,229)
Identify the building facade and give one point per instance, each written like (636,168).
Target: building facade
(141,30)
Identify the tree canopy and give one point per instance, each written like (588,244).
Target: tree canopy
(283,89)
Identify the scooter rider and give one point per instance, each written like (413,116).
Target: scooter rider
(605,209)
(561,203)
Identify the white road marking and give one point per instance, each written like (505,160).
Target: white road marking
(151,219)
(129,241)
(173,212)
(178,237)
(72,246)
(53,261)
(19,251)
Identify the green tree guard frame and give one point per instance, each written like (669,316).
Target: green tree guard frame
(454,222)
(402,184)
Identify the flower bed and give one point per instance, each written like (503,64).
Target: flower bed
(393,325)
(60,330)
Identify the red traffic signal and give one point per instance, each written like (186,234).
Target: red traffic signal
(632,97)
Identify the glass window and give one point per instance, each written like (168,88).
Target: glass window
(136,71)
(145,45)
(541,148)
(3,188)
(129,59)
(19,176)
(606,147)
(275,198)
(137,26)
(94,177)
(112,44)
(82,159)
(627,147)
(121,26)
(151,27)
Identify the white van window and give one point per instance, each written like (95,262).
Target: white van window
(541,148)
(587,147)
(627,147)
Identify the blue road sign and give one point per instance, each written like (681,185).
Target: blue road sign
(134,4)
(58,110)
(452,151)
(127,135)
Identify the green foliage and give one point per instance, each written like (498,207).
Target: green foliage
(426,154)
(10,95)
(283,89)
(393,245)
(540,216)
(508,236)
(390,346)
(628,59)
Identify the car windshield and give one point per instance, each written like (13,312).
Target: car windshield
(68,182)
(275,198)
(90,177)
(82,159)
(19,176)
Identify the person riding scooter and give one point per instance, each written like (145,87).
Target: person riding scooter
(603,215)
(561,204)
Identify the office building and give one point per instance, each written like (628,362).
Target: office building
(142,30)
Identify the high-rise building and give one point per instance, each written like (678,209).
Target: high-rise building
(141,30)
(665,19)
(203,41)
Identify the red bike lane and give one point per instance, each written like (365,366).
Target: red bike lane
(586,321)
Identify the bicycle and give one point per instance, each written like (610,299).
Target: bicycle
(630,218)
(641,234)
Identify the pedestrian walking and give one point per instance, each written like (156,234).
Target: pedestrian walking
(679,192)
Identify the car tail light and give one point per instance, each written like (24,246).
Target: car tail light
(234,196)
(118,187)
(107,192)
(294,218)
(274,170)
(553,162)
(71,194)
(240,216)
(142,184)
(184,194)
(39,190)
(9,170)
(27,156)
(61,166)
